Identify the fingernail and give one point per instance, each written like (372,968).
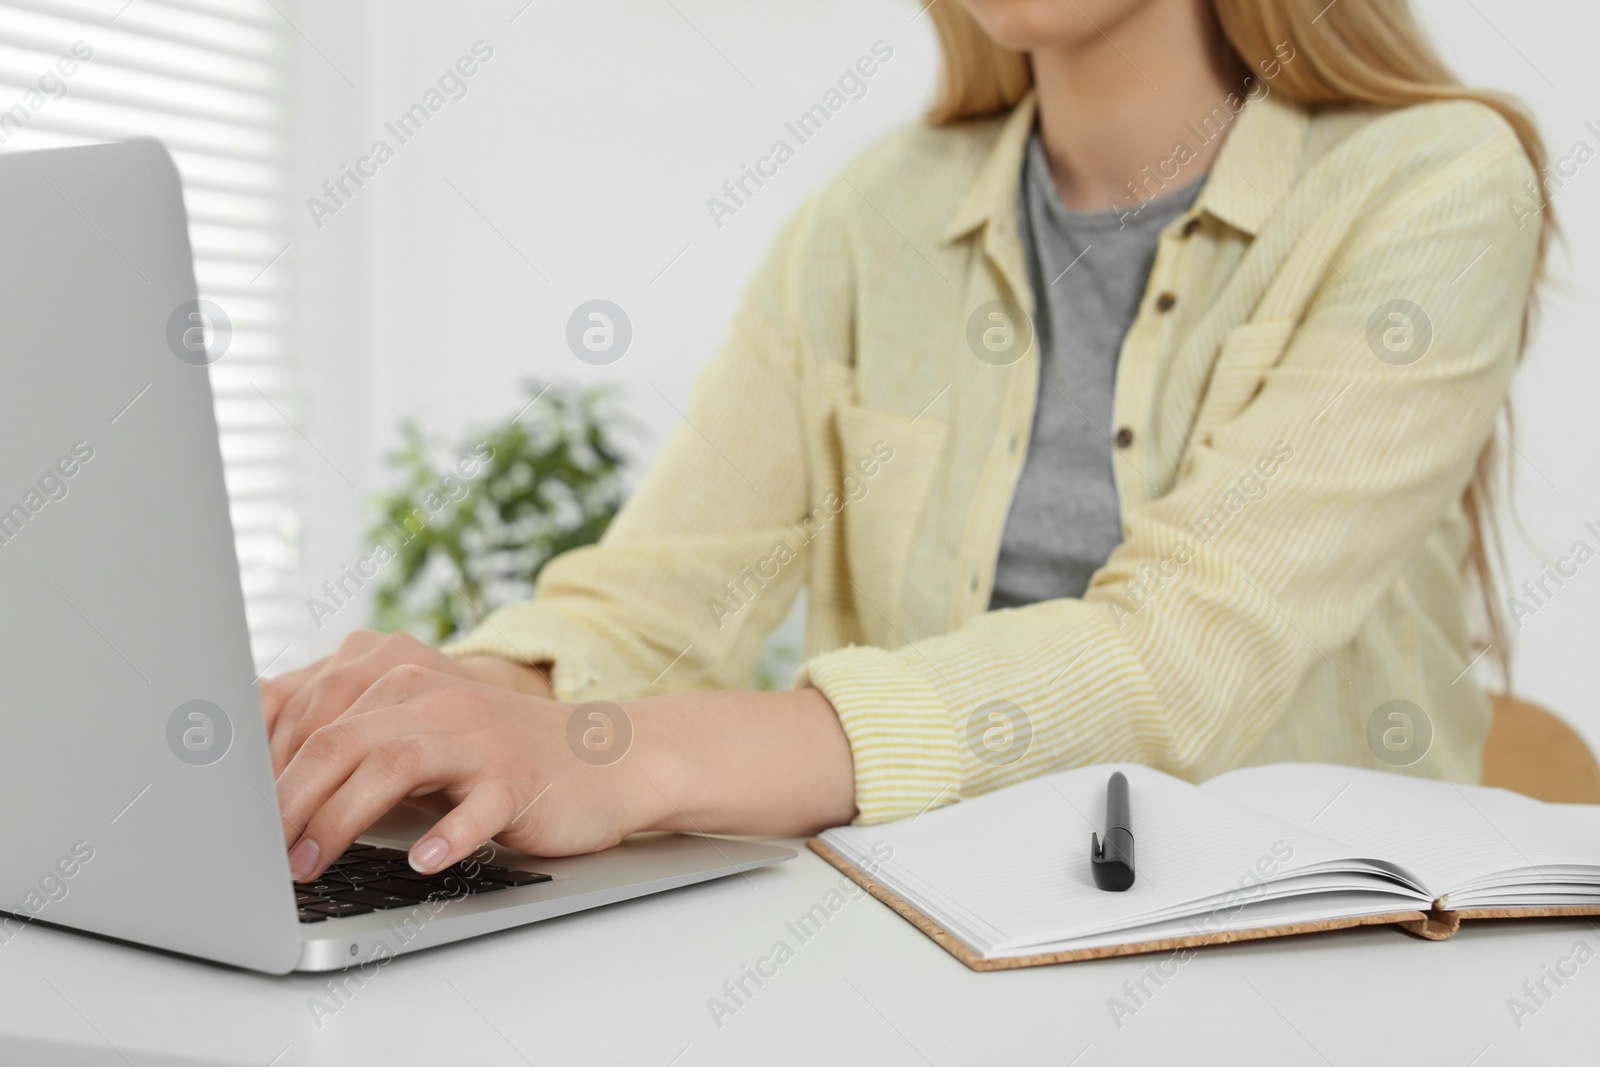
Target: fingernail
(303,859)
(428,855)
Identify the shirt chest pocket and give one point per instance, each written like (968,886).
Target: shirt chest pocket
(887,464)
(1247,353)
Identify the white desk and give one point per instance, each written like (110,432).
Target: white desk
(629,984)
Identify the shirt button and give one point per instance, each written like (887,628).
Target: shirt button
(1191,226)
(1165,302)
(973,582)
(1015,441)
(1124,437)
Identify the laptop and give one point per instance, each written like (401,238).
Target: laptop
(136,790)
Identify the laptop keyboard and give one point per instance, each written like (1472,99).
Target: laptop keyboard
(367,879)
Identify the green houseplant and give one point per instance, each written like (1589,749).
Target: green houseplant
(471,533)
(467,529)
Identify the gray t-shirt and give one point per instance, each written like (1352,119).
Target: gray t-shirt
(1089,270)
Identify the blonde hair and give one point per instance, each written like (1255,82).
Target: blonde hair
(1367,52)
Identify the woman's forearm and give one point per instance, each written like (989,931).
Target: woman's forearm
(741,763)
(723,762)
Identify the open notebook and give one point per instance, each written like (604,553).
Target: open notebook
(1003,880)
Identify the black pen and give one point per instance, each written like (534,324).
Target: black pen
(1112,860)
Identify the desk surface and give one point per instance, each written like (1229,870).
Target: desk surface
(630,984)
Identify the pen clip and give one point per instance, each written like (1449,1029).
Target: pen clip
(1111,859)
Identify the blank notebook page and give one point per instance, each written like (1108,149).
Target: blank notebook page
(1011,869)
(1451,836)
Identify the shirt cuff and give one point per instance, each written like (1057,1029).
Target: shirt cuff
(901,735)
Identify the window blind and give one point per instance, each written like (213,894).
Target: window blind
(209,79)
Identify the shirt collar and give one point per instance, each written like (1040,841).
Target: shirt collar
(992,193)
(1256,168)
(1250,177)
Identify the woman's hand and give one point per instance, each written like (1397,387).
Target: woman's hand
(501,765)
(482,757)
(300,702)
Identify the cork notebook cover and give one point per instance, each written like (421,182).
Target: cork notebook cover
(1002,881)
(1432,925)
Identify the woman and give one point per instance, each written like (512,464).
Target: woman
(1134,408)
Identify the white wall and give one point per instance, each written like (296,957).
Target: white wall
(590,142)
(330,267)
(1543,53)
(577,166)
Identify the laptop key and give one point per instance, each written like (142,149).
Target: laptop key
(483,885)
(335,909)
(311,916)
(519,878)
(383,854)
(413,891)
(444,884)
(364,866)
(380,901)
(301,899)
(456,871)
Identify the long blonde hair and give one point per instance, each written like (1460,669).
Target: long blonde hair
(1369,52)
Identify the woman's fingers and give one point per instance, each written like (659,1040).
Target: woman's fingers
(293,691)
(280,689)
(329,697)
(330,757)
(392,769)
(361,660)
(482,755)
(486,810)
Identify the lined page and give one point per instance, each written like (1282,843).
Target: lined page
(1460,839)
(1011,869)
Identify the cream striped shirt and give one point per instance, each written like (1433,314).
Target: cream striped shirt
(1324,341)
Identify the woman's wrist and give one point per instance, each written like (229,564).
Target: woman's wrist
(659,781)
(739,763)
(532,680)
